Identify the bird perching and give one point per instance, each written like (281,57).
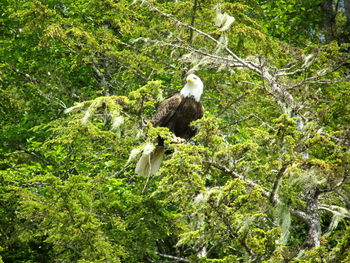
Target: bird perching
(175,113)
(178,111)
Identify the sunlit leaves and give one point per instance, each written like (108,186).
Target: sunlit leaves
(80,81)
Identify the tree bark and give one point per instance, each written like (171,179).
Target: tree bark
(329,23)
(314,217)
(347,11)
(194,10)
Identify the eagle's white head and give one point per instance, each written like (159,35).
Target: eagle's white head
(193,87)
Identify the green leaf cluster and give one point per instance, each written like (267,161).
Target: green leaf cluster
(79,82)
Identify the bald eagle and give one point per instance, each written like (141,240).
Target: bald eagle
(176,113)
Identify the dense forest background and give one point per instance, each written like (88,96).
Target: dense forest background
(266,178)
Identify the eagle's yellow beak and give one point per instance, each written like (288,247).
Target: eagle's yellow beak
(189,79)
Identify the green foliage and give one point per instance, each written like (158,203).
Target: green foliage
(79,82)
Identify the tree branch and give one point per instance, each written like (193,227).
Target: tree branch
(283,73)
(232,63)
(276,184)
(298,213)
(247,64)
(257,117)
(31,153)
(26,75)
(172,257)
(322,73)
(238,176)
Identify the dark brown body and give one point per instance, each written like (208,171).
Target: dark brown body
(176,113)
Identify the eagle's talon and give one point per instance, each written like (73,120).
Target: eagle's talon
(178,140)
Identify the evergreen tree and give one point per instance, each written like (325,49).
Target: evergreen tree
(265,179)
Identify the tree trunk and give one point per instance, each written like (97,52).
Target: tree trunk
(314,217)
(347,11)
(329,22)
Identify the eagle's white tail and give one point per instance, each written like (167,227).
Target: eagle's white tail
(150,160)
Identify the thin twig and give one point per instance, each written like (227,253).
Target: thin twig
(172,257)
(254,116)
(238,176)
(247,64)
(283,73)
(26,75)
(232,63)
(23,150)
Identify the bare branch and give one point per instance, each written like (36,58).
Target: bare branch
(282,97)
(243,119)
(31,153)
(298,213)
(284,73)
(335,210)
(26,75)
(254,116)
(236,175)
(320,74)
(251,83)
(149,54)
(324,81)
(330,188)
(37,81)
(230,61)
(247,64)
(289,66)
(270,74)
(276,184)
(338,212)
(172,257)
